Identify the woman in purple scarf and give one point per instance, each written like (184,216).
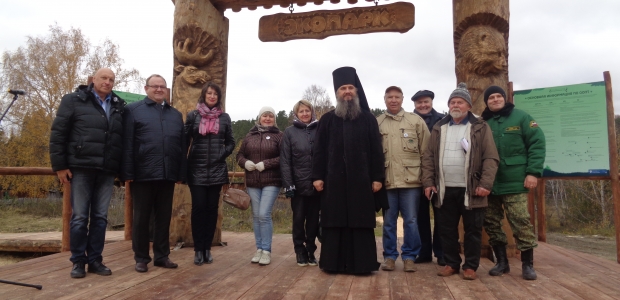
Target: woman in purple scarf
(210,140)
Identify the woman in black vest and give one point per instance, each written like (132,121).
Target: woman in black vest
(208,130)
(296,167)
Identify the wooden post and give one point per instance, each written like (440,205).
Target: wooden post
(481,46)
(541,213)
(66,217)
(613,159)
(128,211)
(200,46)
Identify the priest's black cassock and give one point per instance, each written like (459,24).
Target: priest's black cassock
(348,157)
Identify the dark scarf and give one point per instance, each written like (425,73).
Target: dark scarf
(504,112)
(430,118)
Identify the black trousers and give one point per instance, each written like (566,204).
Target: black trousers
(430,242)
(205,200)
(451,211)
(305,222)
(150,196)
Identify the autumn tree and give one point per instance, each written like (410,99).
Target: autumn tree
(319,98)
(47,68)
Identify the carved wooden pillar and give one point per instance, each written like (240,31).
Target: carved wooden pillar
(200,55)
(481,46)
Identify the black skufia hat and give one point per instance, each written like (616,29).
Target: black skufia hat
(348,75)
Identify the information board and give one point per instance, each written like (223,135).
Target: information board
(574,120)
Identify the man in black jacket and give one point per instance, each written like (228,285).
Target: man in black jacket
(154,158)
(85,149)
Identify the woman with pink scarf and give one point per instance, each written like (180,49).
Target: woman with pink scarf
(210,140)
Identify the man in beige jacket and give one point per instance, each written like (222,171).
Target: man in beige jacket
(405,137)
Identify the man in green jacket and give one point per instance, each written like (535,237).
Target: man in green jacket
(521,147)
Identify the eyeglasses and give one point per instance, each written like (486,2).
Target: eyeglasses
(163,87)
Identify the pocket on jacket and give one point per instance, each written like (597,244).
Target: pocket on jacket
(409,142)
(412,170)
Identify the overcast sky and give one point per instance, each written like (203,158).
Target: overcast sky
(551,43)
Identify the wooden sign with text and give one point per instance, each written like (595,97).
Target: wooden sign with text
(395,17)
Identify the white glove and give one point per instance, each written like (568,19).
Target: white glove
(260,166)
(250,166)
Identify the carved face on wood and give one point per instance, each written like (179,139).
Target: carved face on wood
(187,87)
(483,49)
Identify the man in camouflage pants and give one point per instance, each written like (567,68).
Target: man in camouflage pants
(521,147)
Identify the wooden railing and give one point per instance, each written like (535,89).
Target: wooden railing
(66,199)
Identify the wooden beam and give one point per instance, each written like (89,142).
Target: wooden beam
(66,217)
(541,213)
(613,159)
(20,245)
(26,171)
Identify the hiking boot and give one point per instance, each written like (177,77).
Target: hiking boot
(527,265)
(265,258)
(409,265)
(302,259)
(388,265)
(99,269)
(441,261)
(447,271)
(257,256)
(312,260)
(469,274)
(78,270)
(501,266)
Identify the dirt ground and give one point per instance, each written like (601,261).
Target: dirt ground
(593,244)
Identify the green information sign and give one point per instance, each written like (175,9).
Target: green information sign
(574,120)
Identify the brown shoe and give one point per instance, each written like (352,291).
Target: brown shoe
(447,271)
(409,265)
(469,274)
(166,263)
(388,265)
(141,267)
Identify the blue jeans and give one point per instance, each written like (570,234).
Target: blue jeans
(91,191)
(262,203)
(405,201)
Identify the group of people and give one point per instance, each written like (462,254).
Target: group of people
(338,172)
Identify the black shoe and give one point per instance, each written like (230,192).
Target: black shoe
(302,259)
(141,267)
(199,258)
(527,265)
(208,257)
(312,260)
(166,263)
(441,261)
(421,260)
(99,269)
(501,264)
(78,270)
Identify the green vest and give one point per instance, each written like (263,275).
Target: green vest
(521,147)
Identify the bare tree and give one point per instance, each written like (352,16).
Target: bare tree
(318,97)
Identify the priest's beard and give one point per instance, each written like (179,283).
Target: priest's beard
(348,110)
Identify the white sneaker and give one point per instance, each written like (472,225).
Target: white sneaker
(257,256)
(265,259)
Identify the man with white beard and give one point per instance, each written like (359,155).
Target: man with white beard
(459,165)
(348,169)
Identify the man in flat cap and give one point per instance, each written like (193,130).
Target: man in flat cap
(423,101)
(348,170)
(459,165)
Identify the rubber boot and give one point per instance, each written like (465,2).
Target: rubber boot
(501,267)
(527,261)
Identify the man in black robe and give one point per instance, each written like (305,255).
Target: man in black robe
(348,170)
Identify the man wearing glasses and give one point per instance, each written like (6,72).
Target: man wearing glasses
(153,160)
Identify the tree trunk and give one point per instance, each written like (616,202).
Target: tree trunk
(200,55)
(481,46)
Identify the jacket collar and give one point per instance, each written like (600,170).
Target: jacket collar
(471,118)
(397,116)
(150,101)
(85,92)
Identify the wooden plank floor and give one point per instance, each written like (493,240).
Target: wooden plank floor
(562,274)
(43,241)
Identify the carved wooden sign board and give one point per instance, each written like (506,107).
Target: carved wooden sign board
(395,17)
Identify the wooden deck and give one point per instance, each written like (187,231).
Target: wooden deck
(43,241)
(562,274)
